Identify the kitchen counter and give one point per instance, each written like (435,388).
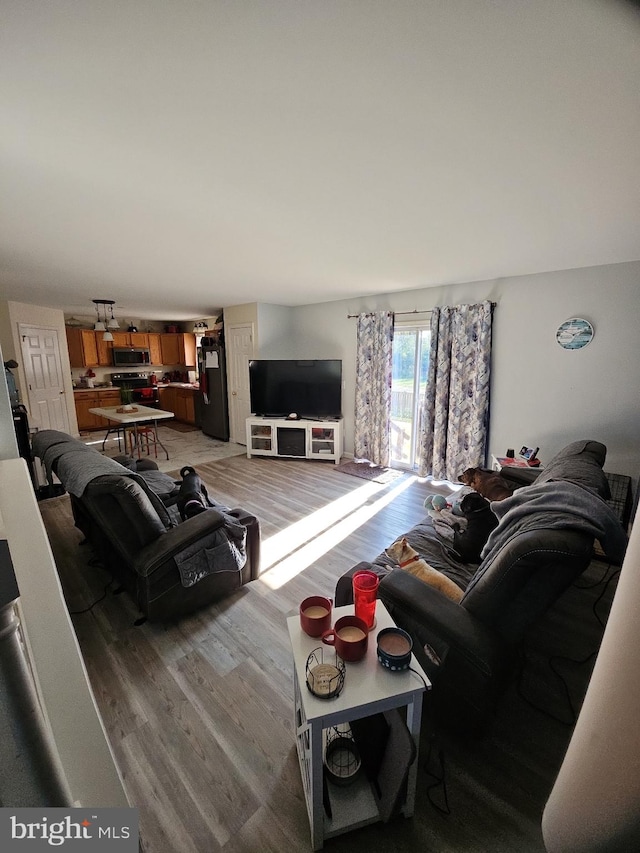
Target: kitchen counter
(192,385)
(94,389)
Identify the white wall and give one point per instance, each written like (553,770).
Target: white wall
(541,394)
(58,669)
(276,332)
(273,329)
(594,806)
(60,677)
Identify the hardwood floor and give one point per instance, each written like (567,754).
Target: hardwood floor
(199,713)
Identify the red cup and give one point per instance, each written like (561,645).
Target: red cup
(349,636)
(365,593)
(315,615)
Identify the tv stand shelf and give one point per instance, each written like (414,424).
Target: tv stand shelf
(299,439)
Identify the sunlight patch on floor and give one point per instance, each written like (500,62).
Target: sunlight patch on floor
(325,539)
(278,546)
(97,441)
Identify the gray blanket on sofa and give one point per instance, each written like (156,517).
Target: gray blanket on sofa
(76,465)
(225,550)
(556,505)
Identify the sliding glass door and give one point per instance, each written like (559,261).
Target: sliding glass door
(410,370)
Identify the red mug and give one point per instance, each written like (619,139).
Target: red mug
(315,615)
(349,636)
(365,594)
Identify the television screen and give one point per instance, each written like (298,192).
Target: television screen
(310,388)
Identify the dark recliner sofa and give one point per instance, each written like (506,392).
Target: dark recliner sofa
(543,542)
(170,567)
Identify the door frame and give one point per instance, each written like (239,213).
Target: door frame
(237,419)
(417,327)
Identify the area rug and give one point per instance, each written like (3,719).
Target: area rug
(368,471)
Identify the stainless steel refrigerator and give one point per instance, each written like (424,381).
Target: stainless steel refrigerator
(214,407)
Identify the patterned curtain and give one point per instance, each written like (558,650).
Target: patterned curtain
(455,417)
(373,387)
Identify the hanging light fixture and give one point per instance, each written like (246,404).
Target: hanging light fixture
(104,324)
(113,323)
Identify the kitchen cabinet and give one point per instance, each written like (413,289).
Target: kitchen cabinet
(84,402)
(94,399)
(81,343)
(120,339)
(165,396)
(155,350)
(186,406)
(138,339)
(180,401)
(131,339)
(105,359)
(178,348)
(88,349)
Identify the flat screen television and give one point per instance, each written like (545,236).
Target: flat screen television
(312,388)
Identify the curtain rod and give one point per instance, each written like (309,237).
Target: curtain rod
(371,313)
(415,311)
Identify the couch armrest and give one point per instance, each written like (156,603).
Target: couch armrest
(514,589)
(468,664)
(253,540)
(175,540)
(432,615)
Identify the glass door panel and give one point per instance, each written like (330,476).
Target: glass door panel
(409,381)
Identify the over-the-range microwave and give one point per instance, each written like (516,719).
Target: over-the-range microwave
(130,357)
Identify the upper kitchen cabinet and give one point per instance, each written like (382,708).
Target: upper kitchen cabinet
(178,349)
(131,339)
(105,358)
(135,340)
(155,350)
(83,350)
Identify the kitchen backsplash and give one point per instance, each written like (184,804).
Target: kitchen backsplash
(103,374)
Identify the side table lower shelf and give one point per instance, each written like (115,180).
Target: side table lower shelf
(351,806)
(369,689)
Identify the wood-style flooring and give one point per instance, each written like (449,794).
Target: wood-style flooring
(199,713)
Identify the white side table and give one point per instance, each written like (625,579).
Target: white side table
(368,689)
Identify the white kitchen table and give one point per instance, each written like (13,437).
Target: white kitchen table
(141,415)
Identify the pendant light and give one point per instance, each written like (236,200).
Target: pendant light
(103,324)
(113,323)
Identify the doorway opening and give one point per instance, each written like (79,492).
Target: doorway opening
(411,342)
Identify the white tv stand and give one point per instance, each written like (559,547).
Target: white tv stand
(299,439)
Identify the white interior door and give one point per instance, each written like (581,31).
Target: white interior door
(43,371)
(239,342)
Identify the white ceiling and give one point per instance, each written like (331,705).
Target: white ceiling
(181,156)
